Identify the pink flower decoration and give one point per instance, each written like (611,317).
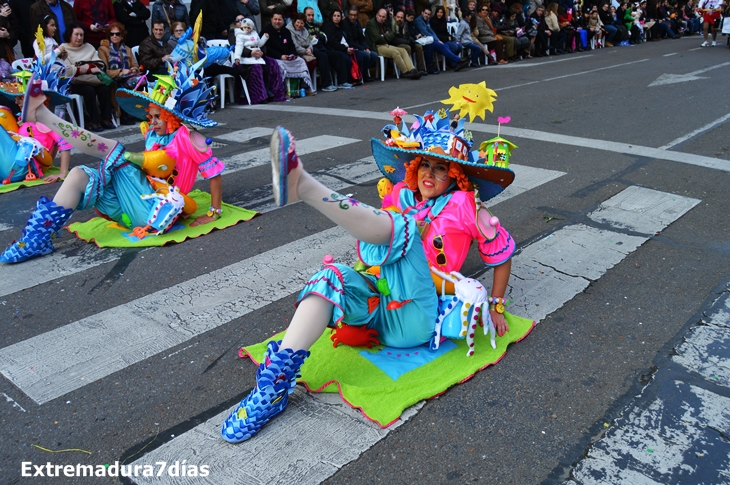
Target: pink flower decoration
(75,133)
(102,147)
(504,119)
(398,112)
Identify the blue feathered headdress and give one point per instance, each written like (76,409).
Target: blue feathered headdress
(52,75)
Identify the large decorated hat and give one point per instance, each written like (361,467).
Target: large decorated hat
(52,75)
(182,92)
(439,135)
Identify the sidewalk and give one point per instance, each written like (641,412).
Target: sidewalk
(677,429)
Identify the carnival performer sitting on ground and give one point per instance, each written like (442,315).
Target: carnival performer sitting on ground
(116,188)
(438,182)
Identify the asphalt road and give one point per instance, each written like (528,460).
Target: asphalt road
(525,420)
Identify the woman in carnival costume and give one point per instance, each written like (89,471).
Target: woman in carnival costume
(120,188)
(432,212)
(26,150)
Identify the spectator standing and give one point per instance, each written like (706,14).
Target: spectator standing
(380,37)
(711,11)
(85,82)
(95,16)
(248,9)
(271,7)
(154,51)
(327,7)
(366,58)
(8,34)
(21,10)
(61,11)
(168,11)
(280,49)
(133,14)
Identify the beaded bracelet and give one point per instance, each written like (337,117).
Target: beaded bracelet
(497,303)
(213,212)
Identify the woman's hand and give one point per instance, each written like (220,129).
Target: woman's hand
(258,54)
(200,220)
(350,50)
(125,72)
(499,322)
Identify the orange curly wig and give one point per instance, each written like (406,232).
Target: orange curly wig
(455,172)
(173,122)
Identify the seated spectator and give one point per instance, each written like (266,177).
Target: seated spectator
(464,36)
(154,52)
(120,66)
(280,49)
(48,24)
(694,24)
(623,14)
(133,14)
(85,82)
(406,31)
(422,26)
(166,12)
(314,58)
(439,25)
(366,58)
(178,29)
(313,26)
(572,37)
(364,10)
(61,11)
(95,16)
(486,36)
(594,27)
(339,50)
(380,38)
(508,28)
(607,20)
(556,36)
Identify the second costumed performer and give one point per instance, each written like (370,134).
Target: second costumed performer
(401,291)
(141,191)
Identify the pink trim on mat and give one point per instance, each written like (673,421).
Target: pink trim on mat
(339,389)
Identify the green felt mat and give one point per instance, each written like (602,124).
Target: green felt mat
(364,385)
(109,234)
(16,185)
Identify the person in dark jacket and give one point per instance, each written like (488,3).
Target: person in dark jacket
(280,48)
(169,11)
(133,14)
(21,10)
(8,33)
(154,51)
(366,58)
(327,7)
(271,7)
(333,29)
(61,11)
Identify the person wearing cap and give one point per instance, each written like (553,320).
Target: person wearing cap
(432,214)
(118,188)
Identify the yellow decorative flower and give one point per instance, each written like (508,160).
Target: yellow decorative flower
(389,168)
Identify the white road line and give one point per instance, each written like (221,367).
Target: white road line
(17,277)
(670,54)
(547,274)
(246,135)
(97,346)
(305,146)
(696,132)
(695,49)
(5,227)
(610,146)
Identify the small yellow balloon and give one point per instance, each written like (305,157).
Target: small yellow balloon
(471,99)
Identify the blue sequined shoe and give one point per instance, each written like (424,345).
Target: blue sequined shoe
(275,380)
(42,227)
(284,161)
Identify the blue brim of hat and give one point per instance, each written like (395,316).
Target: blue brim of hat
(392,161)
(135,103)
(55,99)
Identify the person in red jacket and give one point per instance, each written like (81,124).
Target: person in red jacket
(95,16)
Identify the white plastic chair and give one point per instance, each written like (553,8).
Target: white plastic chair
(222,78)
(135,51)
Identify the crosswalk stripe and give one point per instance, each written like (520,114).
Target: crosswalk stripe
(129,333)
(547,274)
(245,135)
(16,278)
(305,146)
(5,227)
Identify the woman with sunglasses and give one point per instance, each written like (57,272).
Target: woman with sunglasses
(120,64)
(430,218)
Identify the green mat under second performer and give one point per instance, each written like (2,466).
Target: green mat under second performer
(109,234)
(382,382)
